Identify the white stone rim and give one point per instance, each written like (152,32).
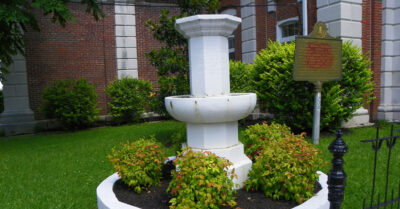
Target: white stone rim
(106,198)
(207,25)
(216,109)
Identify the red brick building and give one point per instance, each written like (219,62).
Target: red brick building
(116,46)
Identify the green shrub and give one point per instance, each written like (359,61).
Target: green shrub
(239,77)
(257,136)
(129,98)
(201,182)
(73,103)
(286,169)
(292,102)
(1,101)
(139,163)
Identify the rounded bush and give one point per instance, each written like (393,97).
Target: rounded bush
(129,98)
(73,103)
(291,102)
(139,163)
(286,169)
(257,136)
(201,181)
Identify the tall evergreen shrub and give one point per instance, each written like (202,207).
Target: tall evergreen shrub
(292,102)
(171,60)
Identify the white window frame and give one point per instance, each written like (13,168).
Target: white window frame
(279,29)
(229,11)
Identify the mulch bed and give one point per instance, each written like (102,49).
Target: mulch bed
(156,197)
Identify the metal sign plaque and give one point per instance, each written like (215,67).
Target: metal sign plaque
(318,57)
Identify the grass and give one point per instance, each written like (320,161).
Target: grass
(62,170)
(359,165)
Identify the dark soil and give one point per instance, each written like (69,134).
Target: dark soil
(156,197)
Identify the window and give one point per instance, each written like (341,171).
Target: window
(290,29)
(286,30)
(231,39)
(231,46)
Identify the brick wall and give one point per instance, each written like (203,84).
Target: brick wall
(145,40)
(83,49)
(288,9)
(234,4)
(312,14)
(261,12)
(271,23)
(372,44)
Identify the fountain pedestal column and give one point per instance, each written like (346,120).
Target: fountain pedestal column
(211,112)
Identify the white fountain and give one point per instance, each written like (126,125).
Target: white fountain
(211,112)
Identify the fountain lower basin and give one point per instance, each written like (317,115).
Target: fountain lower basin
(211,109)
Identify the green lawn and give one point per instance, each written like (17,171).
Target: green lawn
(63,170)
(51,171)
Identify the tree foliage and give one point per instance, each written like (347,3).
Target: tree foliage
(171,60)
(16,16)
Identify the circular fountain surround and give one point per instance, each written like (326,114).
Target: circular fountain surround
(217,109)
(106,198)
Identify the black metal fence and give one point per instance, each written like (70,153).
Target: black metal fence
(391,200)
(337,177)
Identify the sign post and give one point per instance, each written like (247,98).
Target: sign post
(317,113)
(318,59)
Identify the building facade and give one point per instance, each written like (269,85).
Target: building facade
(116,46)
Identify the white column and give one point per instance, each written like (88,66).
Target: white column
(249,44)
(17,116)
(125,39)
(209,73)
(342,17)
(389,108)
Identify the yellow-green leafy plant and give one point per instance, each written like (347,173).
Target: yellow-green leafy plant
(201,181)
(286,169)
(139,163)
(257,136)
(239,73)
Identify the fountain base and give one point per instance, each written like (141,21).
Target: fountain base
(235,154)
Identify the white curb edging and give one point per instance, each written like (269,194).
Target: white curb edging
(320,200)
(106,198)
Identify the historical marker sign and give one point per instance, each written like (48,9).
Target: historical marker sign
(318,57)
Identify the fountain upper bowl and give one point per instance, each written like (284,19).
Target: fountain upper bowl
(211,109)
